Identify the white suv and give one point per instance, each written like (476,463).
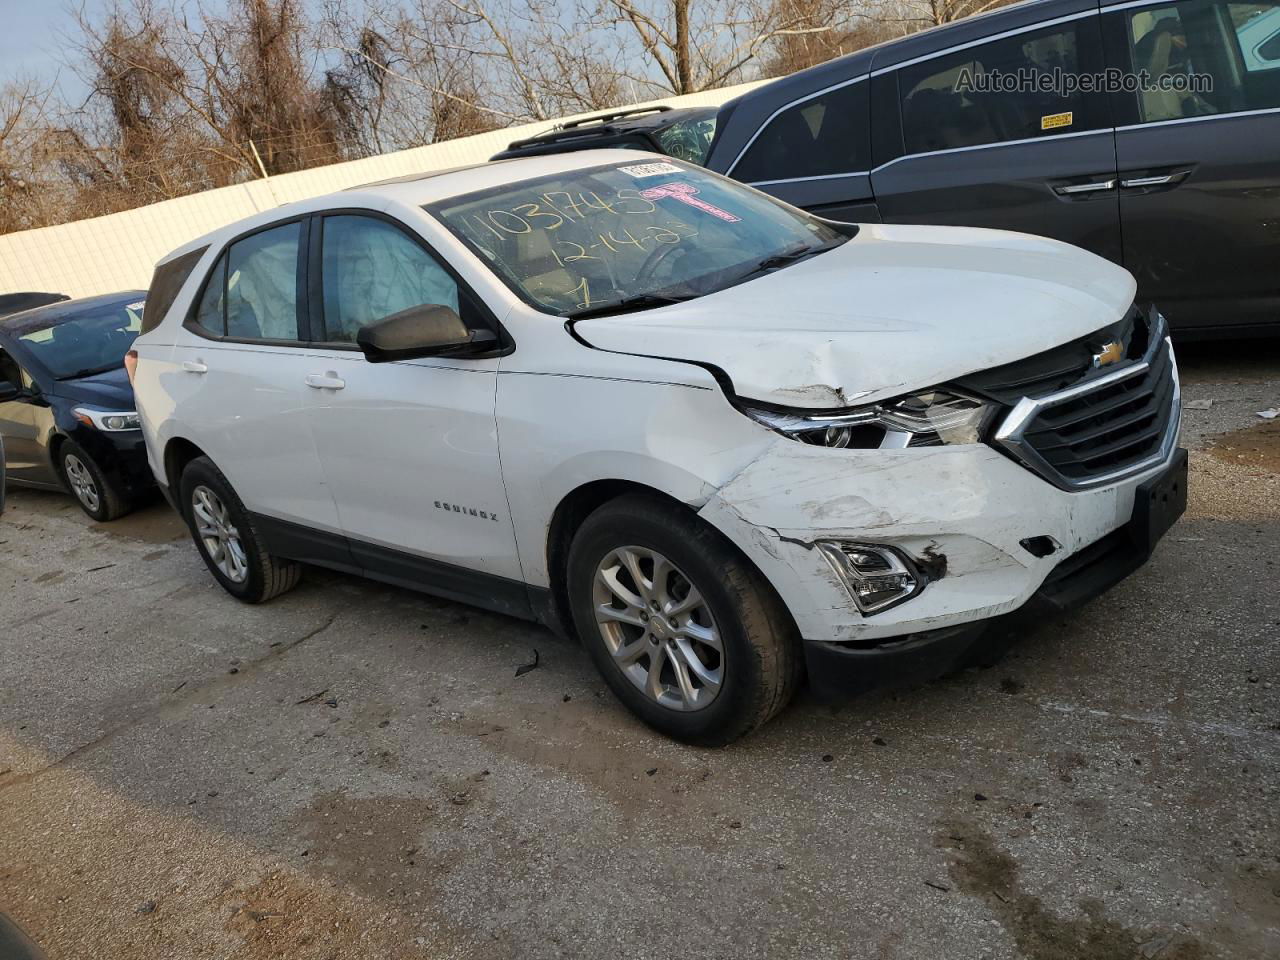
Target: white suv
(714,437)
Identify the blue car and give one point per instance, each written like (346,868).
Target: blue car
(67,417)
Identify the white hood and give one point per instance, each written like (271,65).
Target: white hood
(897,308)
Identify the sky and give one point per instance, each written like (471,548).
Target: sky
(35,35)
(33,38)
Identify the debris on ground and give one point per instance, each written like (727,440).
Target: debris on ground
(1198,404)
(313,698)
(526,667)
(1270,414)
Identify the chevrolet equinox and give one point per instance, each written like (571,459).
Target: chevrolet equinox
(720,440)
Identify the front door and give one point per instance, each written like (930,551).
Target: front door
(26,423)
(1199,157)
(409,449)
(991,138)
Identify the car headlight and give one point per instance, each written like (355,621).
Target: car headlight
(927,418)
(108,421)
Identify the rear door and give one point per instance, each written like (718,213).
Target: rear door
(1198,149)
(409,449)
(240,388)
(991,133)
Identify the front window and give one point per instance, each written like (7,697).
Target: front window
(82,344)
(636,233)
(373,270)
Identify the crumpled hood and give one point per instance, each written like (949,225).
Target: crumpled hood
(897,308)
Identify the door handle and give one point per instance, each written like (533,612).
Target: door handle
(326,381)
(195,366)
(1073,189)
(1155,181)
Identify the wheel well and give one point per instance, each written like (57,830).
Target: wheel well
(55,444)
(566,520)
(177,454)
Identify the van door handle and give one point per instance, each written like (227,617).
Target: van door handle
(195,366)
(1151,181)
(327,381)
(1073,189)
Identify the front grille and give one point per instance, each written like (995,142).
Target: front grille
(1114,423)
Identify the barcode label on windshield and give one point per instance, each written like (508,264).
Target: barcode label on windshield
(642,170)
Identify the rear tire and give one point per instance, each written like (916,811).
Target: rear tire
(226,538)
(86,482)
(684,630)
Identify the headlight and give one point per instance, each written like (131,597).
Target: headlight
(108,421)
(927,418)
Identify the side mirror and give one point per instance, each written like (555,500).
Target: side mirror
(8,390)
(427,330)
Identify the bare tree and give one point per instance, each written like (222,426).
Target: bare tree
(697,45)
(23,124)
(935,13)
(450,67)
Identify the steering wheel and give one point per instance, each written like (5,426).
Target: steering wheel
(663,252)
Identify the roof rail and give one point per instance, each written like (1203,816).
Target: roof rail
(617,114)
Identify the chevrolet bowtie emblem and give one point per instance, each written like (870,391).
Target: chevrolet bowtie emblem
(1108,354)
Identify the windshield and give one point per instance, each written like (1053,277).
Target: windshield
(80,344)
(689,139)
(644,231)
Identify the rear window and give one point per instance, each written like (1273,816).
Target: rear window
(826,135)
(165,284)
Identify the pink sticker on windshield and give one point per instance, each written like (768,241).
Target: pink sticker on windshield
(684,192)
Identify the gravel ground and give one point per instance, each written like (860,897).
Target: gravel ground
(355,771)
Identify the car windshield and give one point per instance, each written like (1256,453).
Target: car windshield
(689,139)
(638,233)
(82,343)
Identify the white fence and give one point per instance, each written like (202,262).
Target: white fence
(118,252)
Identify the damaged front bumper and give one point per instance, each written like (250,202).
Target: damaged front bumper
(998,545)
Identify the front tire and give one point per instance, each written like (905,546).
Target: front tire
(684,630)
(85,480)
(229,543)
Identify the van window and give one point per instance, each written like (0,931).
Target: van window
(372,270)
(997,91)
(1213,57)
(826,135)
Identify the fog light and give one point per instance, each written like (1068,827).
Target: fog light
(877,577)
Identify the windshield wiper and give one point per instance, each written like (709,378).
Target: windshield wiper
(785,258)
(641,301)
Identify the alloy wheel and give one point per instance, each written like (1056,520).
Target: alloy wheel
(81,482)
(218,535)
(658,628)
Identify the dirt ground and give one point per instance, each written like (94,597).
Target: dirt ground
(355,771)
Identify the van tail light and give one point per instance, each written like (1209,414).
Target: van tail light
(131,364)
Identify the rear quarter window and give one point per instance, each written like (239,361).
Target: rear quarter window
(165,284)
